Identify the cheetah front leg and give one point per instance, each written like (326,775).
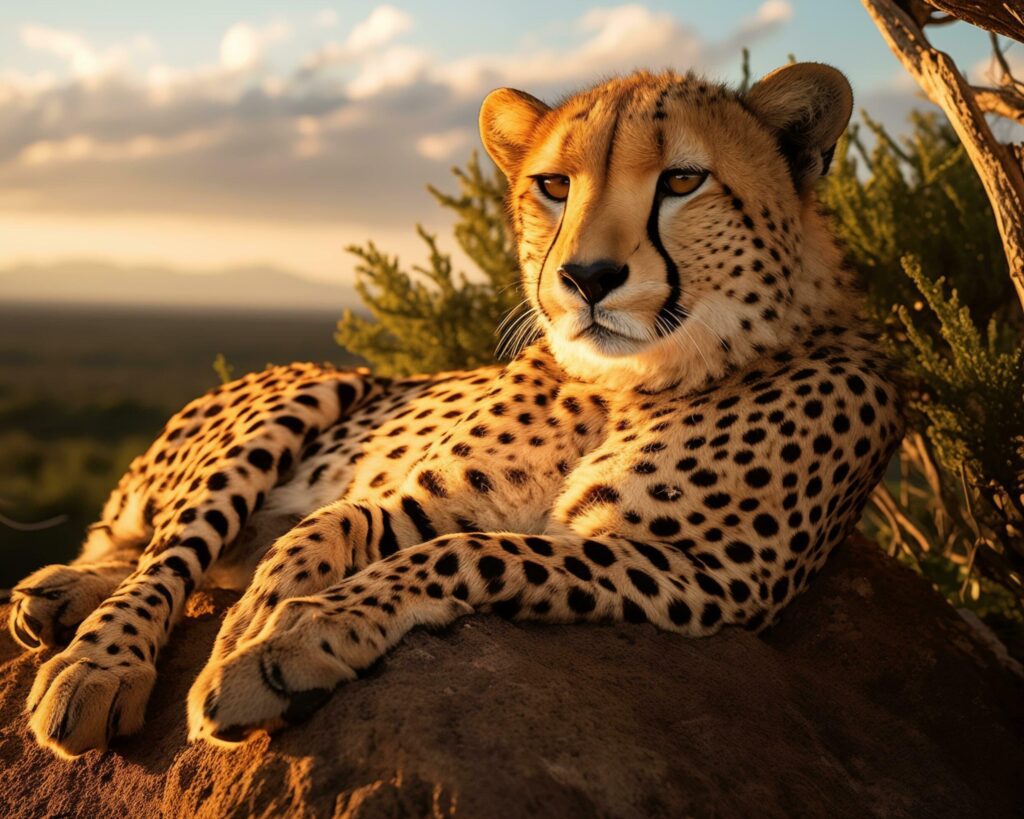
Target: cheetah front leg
(330,544)
(208,471)
(308,645)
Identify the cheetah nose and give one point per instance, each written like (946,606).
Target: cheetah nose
(593,281)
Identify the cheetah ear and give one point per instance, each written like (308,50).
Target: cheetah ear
(808,105)
(508,119)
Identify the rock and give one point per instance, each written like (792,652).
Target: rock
(871,698)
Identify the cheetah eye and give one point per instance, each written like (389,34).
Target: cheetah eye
(681,181)
(554,186)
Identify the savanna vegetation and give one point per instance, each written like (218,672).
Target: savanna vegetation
(917,225)
(84,390)
(77,400)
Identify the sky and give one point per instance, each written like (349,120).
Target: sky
(207,135)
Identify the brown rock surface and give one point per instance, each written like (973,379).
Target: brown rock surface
(871,698)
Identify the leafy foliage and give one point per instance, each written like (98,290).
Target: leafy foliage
(972,389)
(437,319)
(953,502)
(921,198)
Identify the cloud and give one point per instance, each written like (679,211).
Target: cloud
(243,45)
(81,57)
(772,12)
(609,40)
(325,18)
(382,27)
(384,24)
(988,72)
(397,67)
(444,145)
(347,130)
(82,147)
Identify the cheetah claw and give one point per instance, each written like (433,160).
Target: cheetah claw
(49,605)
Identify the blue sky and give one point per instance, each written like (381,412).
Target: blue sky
(201,135)
(189,31)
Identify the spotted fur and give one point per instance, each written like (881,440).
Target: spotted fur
(683,445)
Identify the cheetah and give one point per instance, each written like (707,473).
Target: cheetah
(698,419)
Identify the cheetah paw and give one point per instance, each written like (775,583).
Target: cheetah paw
(50,604)
(288,670)
(278,679)
(81,700)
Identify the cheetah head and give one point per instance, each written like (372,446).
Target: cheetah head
(666,225)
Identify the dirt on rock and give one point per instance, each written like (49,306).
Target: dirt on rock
(871,698)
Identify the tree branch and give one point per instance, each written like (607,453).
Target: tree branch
(997,164)
(1003,16)
(1005,72)
(1000,101)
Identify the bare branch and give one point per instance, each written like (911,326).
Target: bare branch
(1007,98)
(919,10)
(1003,16)
(1000,101)
(884,500)
(1000,57)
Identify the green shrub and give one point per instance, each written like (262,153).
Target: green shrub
(435,319)
(951,506)
(919,229)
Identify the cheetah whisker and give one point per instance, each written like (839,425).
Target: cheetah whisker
(513,335)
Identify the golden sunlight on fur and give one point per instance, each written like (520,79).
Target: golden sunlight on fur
(699,422)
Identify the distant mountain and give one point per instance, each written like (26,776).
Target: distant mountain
(102,283)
